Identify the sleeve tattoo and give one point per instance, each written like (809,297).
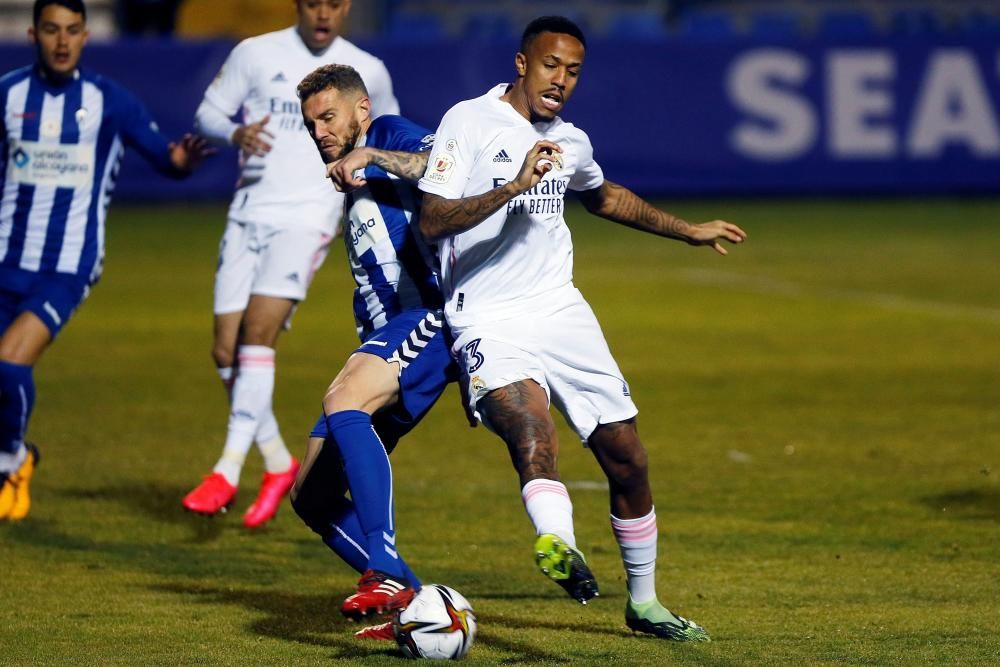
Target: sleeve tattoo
(623,206)
(408,166)
(442,217)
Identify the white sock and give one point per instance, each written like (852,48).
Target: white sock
(637,542)
(549,508)
(267,428)
(272,446)
(277,458)
(251,400)
(12,462)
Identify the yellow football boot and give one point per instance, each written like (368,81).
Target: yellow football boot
(15,497)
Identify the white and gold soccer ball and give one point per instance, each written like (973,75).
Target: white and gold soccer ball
(438,624)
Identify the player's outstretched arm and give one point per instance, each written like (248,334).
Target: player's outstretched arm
(621,205)
(408,166)
(189,152)
(441,217)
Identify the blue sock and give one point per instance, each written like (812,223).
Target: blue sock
(17,398)
(369,477)
(347,540)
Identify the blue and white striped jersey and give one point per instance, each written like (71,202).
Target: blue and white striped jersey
(60,147)
(392,266)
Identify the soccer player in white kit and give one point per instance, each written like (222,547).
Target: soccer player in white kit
(282,218)
(522,332)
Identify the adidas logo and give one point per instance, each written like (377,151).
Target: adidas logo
(294,277)
(502,157)
(279,78)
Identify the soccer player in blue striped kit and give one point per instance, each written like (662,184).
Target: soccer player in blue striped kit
(402,365)
(62,135)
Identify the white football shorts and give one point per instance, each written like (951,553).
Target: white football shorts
(563,350)
(266,260)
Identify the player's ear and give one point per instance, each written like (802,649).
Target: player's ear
(521,64)
(364,108)
(32,36)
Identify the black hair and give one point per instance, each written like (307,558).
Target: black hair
(342,77)
(76,6)
(556,24)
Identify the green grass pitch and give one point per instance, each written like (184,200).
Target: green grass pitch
(821,410)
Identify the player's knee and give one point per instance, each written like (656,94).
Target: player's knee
(620,451)
(627,476)
(334,400)
(634,471)
(309,511)
(259,331)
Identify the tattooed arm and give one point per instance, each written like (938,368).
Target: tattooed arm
(408,166)
(441,217)
(621,205)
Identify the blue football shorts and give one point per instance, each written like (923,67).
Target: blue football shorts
(418,341)
(53,297)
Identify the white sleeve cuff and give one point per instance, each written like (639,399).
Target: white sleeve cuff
(213,124)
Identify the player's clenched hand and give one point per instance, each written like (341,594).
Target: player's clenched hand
(342,171)
(189,152)
(252,138)
(540,160)
(711,233)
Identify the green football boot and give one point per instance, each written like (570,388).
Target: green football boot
(566,566)
(652,618)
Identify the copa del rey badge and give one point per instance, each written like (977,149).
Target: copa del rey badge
(440,168)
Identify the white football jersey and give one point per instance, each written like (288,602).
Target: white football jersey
(288,186)
(510,262)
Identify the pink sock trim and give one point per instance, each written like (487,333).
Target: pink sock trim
(633,531)
(537,486)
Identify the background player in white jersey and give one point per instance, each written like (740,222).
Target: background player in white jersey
(281,220)
(523,332)
(62,134)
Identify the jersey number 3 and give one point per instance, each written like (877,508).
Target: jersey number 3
(473,358)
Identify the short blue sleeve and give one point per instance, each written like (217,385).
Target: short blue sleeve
(395,133)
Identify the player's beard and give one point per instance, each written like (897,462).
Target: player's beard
(353,132)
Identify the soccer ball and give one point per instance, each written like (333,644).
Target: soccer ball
(438,624)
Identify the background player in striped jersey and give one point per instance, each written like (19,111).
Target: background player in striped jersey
(281,221)
(62,135)
(402,365)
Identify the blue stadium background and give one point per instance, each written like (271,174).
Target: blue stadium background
(679,98)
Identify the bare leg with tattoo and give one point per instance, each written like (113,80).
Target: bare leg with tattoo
(519,414)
